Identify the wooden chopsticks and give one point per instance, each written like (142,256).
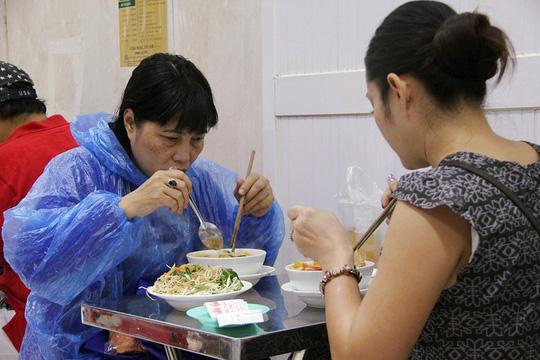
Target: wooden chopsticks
(241,207)
(375,225)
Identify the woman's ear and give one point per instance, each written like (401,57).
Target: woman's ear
(400,87)
(129,123)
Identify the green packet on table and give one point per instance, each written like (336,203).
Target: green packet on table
(228,313)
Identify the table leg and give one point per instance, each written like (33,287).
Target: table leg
(172,354)
(320,353)
(297,355)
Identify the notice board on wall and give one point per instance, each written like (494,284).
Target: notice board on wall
(143,29)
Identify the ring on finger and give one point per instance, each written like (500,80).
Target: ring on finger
(172,183)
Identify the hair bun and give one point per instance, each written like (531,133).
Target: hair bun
(468,47)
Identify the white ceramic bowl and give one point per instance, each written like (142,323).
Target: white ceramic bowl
(308,280)
(254,278)
(242,265)
(311,298)
(185,302)
(304,280)
(366,272)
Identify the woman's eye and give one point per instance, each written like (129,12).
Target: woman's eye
(169,139)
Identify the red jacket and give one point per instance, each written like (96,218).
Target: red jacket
(23,156)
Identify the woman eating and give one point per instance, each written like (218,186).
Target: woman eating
(459,276)
(113,211)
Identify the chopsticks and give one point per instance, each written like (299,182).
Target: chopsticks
(375,225)
(241,207)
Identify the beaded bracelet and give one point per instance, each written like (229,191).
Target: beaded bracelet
(345,270)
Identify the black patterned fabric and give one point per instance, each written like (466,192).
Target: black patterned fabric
(493,311)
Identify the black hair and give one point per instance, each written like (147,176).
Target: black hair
(451,54)
(12,109)
(163,88)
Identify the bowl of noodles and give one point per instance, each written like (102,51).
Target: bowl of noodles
(190,285)
(242,261)
(306,275)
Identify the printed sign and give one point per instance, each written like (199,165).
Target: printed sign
(143,29)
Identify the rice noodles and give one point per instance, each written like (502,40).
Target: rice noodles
(193,279)
(225,254)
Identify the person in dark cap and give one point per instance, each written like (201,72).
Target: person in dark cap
(28,140)
(18,99)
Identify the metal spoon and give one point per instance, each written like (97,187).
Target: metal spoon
(210,235)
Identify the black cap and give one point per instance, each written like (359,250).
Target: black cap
(15,83)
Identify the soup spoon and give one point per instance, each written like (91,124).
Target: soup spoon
(210,235)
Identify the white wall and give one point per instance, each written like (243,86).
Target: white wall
(3,30)
(223,38)
(70,48)
(318,111)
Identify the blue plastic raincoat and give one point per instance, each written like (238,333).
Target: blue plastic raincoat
(71,243)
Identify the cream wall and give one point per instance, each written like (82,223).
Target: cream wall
(3,29)
(224,39)
(70,49)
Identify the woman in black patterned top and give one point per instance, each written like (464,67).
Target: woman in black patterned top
(459,277)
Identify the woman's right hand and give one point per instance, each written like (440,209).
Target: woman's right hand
(170,188)
(320,236)
(389,191)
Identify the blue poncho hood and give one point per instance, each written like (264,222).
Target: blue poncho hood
(92,132)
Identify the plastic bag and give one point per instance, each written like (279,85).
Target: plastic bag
(358,204)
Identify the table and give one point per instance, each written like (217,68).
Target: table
(291,326)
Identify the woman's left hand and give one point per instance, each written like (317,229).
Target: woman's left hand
(258,192)
(320,236)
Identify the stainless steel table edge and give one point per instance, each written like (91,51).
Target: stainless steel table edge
(202,342)
(159,332)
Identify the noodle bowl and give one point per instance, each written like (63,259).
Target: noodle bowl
(191,279)
(305,276)
(187,286)
(243,262)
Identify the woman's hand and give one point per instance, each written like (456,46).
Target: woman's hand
(258,192)
(320,236)
(387,194)
(170,188)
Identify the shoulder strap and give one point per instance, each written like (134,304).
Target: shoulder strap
(484,174)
